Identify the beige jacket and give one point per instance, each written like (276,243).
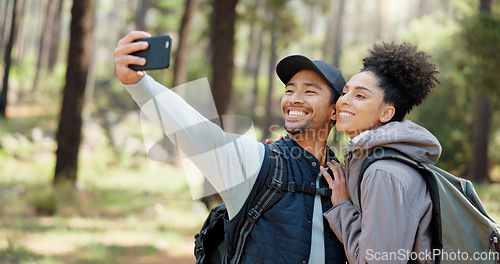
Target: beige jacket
(396,207)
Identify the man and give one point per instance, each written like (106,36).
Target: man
(293,230)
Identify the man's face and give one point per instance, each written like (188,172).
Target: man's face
(306,104)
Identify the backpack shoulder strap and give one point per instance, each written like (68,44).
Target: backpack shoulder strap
(382,153)
(266,198)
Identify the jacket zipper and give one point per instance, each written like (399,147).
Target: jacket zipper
(494,242)
(347,161)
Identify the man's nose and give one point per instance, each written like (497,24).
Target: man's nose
(297,98)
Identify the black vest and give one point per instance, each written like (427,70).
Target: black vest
(283,233)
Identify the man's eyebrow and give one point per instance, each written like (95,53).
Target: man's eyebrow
(306,84)
(313,84)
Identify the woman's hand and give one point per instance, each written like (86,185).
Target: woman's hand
(337,183)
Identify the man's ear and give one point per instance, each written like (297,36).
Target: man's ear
(388,113)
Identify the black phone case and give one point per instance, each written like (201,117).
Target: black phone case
(157,55)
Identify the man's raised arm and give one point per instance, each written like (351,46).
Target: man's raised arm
(230,162)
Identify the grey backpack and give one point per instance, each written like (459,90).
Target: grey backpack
(461,229)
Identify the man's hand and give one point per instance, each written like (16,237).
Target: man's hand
(123,58)
(268,141)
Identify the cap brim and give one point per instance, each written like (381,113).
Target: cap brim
(290,65)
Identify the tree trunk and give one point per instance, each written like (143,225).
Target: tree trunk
(337,53)
(56,32)
(5,23)
(181,60)
(253,36)
(269,99)
(480,135)
(485,6)
(255,72)
(423,8)
(7,58)
(481,125)
(330,31)
(224,18)
(140,16)
(70,122)
(45,39)
(20,40)
(222,44)
(378,20)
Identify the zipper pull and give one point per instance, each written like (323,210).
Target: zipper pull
(494,239)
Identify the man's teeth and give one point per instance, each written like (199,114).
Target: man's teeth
(345,114)
(296,113)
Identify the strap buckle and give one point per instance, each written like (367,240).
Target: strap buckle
(324,191)
(292,187)
(275,184)
(198,243)
(253,215)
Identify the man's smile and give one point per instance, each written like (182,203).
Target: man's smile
(295,113)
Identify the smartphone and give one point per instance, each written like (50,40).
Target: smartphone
(157,55)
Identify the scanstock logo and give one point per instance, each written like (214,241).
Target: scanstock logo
(167,141)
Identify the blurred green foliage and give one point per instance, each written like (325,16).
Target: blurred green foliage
(122,197)
(448,112)
(481,38)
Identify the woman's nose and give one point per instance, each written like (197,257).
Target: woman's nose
(343,100)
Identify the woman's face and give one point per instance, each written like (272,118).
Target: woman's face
(361,106)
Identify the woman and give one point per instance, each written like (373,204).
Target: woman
(392,223)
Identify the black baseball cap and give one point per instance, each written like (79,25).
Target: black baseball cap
(290,65)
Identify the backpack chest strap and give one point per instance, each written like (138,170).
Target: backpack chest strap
(307,189)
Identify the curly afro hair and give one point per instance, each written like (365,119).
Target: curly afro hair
(405,75)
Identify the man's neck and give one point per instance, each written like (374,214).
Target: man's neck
(315,145)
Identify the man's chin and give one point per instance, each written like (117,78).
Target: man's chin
(295,130)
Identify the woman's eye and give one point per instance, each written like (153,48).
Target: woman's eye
(360,96)
(288,91)
(313,92)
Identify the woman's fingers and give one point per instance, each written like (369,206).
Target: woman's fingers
(337,183)
(327,176)
(340,169)
(334,169)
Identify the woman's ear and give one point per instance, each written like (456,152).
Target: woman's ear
(334,114)
(388,113)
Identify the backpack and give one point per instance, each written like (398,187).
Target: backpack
(210,245)
(461,228)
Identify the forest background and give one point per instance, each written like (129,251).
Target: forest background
(76,183)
